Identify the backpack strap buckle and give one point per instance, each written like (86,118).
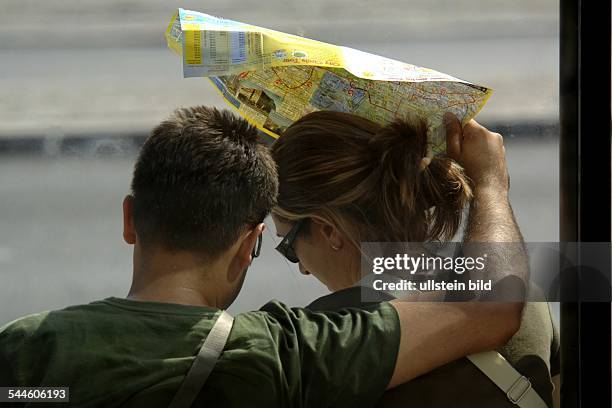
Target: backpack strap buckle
(518,390)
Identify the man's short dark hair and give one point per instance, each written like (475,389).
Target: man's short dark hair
(200,178)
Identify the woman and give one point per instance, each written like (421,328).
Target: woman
(346,180)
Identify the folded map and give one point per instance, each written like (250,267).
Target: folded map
(273,78)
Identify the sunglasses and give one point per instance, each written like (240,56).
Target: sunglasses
(286,245)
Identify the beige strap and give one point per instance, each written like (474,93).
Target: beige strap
(204,362)
(516,386)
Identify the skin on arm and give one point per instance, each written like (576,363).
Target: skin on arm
(436,333)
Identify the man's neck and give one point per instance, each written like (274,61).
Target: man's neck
(174,277)
(175,295)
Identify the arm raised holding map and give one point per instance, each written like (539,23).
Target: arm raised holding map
(449,330)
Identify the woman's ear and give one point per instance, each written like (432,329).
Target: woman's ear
(330,233)
(129,233)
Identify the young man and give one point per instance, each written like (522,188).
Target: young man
(202,186)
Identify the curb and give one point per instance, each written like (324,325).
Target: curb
(127,144)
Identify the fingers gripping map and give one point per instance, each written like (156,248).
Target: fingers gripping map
(273,78)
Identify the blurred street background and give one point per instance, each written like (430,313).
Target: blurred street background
(83,81)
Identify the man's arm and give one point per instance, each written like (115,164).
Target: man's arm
(492,228)
(433,334)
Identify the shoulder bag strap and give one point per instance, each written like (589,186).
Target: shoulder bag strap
(516,386)
(204,362)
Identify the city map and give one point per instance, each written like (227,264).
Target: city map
(273,78)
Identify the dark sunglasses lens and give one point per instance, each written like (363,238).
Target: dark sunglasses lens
(291,256)
(286,250)
(286,245)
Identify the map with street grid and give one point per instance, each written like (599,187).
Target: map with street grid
(272,78)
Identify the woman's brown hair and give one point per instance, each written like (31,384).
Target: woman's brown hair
(370,181)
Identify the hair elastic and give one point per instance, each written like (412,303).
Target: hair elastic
(425,161)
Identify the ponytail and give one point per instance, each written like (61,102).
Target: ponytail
(422,197)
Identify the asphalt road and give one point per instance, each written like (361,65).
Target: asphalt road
(82,67)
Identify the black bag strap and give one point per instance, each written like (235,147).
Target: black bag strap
(204,362)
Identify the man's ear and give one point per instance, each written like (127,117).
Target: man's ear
(129,233)
(249,241)
(330,234)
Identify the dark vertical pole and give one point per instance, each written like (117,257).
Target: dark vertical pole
(595,183)
(585,212)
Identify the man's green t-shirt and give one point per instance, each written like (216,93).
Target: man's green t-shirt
(120,352)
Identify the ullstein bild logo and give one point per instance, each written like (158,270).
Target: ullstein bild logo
(432,285)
